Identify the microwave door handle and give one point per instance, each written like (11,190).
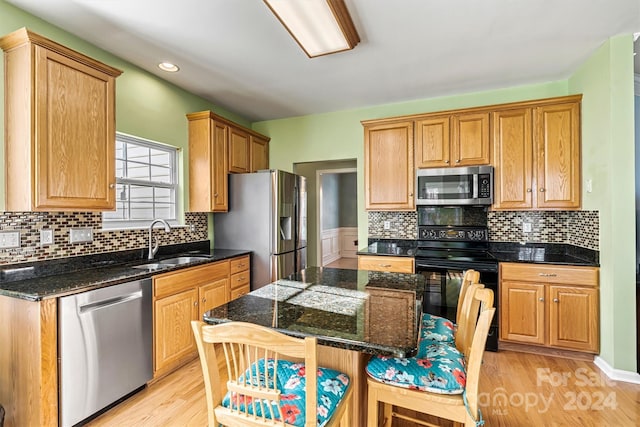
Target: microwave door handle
(475,186)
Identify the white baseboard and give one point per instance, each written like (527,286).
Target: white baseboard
(616,374)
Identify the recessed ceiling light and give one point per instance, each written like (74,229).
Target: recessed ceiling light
(168,66)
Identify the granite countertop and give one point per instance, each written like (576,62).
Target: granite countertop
(51,279)
(535,253)
(342,308)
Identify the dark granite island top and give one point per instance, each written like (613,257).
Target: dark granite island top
(358,310)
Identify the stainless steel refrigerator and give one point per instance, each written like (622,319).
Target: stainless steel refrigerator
(267,215)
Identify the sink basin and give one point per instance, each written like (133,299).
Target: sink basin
(169,262)
(181,260)
(153,266)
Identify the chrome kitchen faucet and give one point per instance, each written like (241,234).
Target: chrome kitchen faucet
(154,249)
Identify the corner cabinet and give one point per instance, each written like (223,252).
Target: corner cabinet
(218,147)
(453,140)
(537,155)
(388,166)
(550,305)
(59,127)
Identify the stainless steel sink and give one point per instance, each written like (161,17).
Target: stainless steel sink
(181,260)
(169,262)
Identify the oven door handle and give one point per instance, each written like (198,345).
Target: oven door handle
(442,265)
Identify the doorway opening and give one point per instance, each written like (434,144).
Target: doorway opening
(332,212)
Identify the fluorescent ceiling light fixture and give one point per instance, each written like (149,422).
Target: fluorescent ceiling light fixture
(320,27)
(168,66)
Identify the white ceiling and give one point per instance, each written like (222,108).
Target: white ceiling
(236,54)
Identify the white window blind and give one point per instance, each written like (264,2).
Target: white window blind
(146,183)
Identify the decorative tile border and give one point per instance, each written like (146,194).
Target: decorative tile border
(578,228)
(30,223)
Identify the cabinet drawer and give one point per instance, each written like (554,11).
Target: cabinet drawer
(240,279)
(239,264)
(238,292)
(171,283)
(386,263)
(570,275)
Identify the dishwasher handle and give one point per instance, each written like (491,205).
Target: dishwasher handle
(109,302)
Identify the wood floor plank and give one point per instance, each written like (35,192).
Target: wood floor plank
(517,389)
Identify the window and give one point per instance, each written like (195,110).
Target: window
(146,183)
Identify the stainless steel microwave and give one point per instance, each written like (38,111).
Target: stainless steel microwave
(471,185)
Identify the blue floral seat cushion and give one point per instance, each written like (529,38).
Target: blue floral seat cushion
(440,369)
(291,382)
(436,328)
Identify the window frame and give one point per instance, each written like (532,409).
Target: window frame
(174,185)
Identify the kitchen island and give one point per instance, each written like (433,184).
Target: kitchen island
(353,313)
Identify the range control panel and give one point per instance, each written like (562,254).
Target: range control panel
(453,233)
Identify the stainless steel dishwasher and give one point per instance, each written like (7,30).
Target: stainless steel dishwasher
(105,347)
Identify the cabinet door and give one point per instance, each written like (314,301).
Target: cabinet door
(220,165)
(522,312)
(470,142)
(557,141)
(212,295)
(573,318)
(388,167)
(259,153)
(238,150)
(512,156)
(75,135)
(173,337)
(432,142)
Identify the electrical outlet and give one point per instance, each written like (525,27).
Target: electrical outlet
(78,235)
(46,236)
(387,225)
(526,227)
(9,239)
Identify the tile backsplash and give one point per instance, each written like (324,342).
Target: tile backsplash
(30,223)
(579,228)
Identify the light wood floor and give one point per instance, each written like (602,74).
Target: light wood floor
(517,389)
(349,263)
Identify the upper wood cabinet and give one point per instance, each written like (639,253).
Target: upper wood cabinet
(537,156)
(453,140)
(259,153)
(215,144)
(238,151)
(208,163)
(59,127)
(389,166)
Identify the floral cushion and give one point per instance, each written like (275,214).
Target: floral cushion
(436,328)
(291,383)
(440,370)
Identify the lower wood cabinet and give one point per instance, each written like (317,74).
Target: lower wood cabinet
(185,295)
(392,264)
(550,305)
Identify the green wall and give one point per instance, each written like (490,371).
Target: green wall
(339,135)
(606,81)
(146,106)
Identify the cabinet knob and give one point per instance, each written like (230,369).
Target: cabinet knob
(541,299)
(542,190)
(215,194)
(112,186)
(556,300)
(204,300)
(410,194)
(446,161)
(528,190)
(195,304)
(458,161)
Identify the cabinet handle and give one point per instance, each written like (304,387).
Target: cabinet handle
(542,190)
(556,300)
(384,265)
(528,190)
(541,299)
(547,274)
